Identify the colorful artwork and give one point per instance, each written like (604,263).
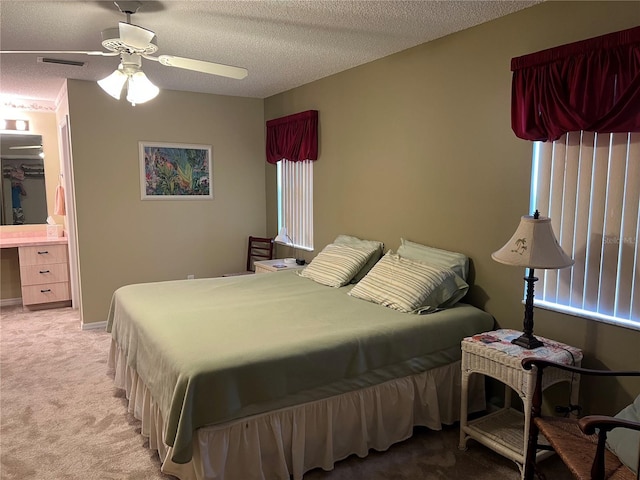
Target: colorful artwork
(175,171)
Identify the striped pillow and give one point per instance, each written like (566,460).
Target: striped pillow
(409,286)
(367,245)
(336,265)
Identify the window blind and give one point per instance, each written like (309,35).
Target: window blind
(295,201)
(589,184)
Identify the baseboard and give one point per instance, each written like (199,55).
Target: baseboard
(6,302)
(36,307)
(94,326)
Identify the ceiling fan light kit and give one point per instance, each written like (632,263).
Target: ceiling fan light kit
(139,87)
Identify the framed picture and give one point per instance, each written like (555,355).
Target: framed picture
(175,171)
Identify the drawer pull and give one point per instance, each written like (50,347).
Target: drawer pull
(45,291)
(45,271)
(43,253)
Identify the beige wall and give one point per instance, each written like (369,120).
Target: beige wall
(42,123)
(124,240)
(419,145)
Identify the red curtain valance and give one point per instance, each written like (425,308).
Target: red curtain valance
(293,138)
(591,85)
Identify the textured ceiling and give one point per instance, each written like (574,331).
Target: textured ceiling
(283,43)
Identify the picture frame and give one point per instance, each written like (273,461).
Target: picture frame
(175,171)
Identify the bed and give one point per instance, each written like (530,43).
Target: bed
(269,376)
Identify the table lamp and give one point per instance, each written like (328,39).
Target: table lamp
(532,246)
(284,239)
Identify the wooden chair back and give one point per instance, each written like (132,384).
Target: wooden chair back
(259,248)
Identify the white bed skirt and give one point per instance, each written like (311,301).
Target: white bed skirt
(286,443)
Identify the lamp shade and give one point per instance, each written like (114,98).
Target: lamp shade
(140,89)
(113,83)
(533,245)
(283,237)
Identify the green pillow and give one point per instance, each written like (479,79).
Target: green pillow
(625,442)
(457,262)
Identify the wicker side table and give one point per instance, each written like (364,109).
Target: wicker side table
(492,353)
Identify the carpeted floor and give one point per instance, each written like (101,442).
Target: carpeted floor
(62,419)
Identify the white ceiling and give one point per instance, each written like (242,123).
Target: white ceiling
(283,43)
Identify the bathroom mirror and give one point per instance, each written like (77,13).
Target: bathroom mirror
(23,195)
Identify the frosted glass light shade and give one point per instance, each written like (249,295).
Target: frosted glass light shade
(113,83)
(533,245)
(140,89)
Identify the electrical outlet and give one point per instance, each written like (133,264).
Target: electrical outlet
(191,276)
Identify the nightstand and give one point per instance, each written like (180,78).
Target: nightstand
(277,265)
(506,431)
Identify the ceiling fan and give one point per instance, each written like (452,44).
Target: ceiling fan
(29,147)
(25,147)
(133,43)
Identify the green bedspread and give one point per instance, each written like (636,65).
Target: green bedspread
(214,350)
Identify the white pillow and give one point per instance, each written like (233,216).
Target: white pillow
(624,441)
(458,262)
(409,286)
(336,265)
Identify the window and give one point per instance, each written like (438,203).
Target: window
(295,201)
(589,184)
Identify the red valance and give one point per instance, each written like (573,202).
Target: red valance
(293,138)
(591,85)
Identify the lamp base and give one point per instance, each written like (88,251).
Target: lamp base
(527,341)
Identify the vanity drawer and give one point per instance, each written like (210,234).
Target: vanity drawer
(42,255)
(48,273)
(46,293)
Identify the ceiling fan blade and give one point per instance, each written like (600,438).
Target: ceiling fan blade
(135,36)
(204,67)
(48,52)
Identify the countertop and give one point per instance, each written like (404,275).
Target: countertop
(11,242)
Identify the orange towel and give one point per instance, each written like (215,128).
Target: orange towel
(60,208)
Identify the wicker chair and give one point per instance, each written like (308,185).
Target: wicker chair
(580,443)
